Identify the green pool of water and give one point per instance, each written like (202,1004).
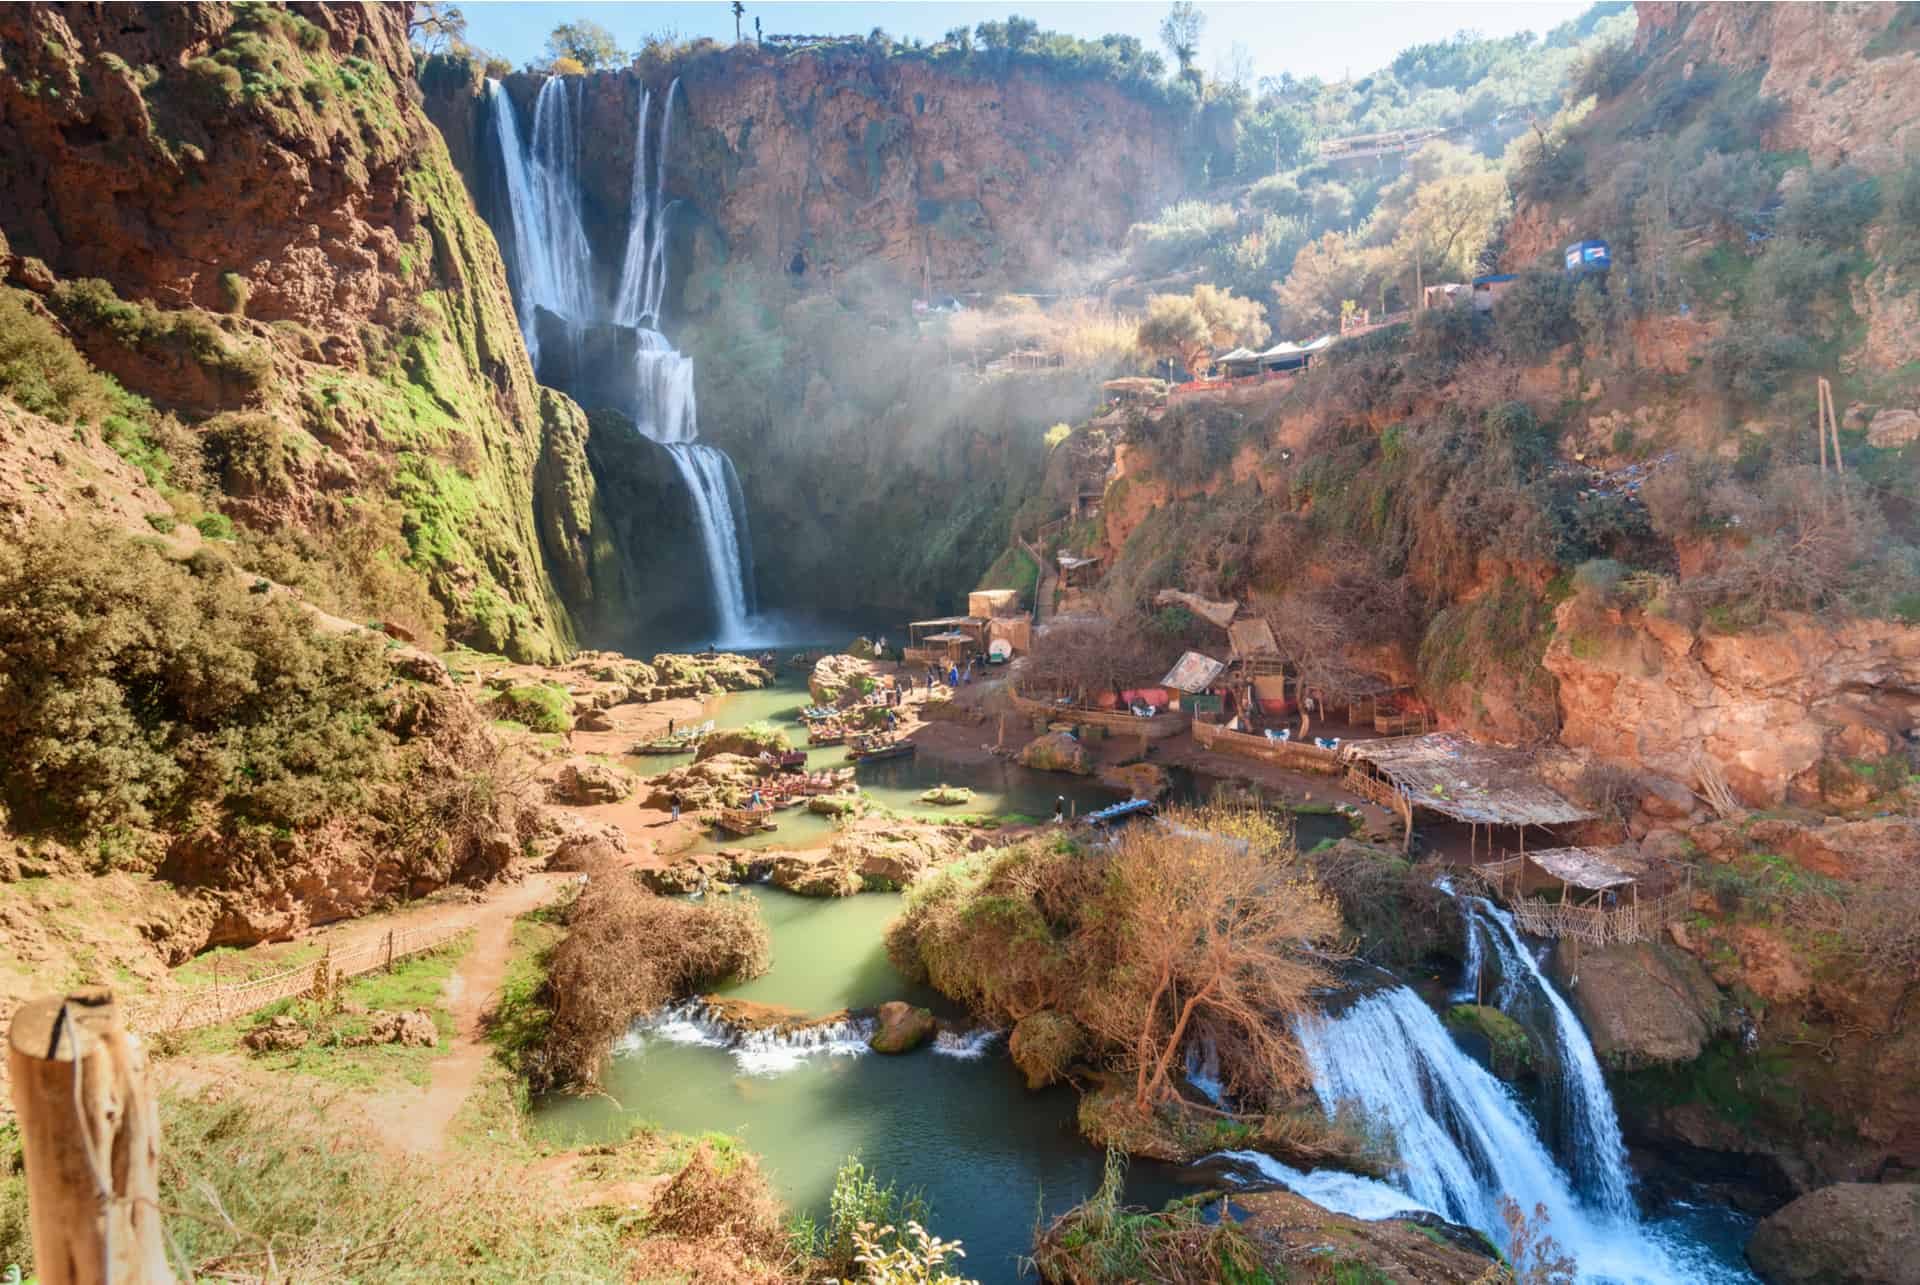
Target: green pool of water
(965,1130)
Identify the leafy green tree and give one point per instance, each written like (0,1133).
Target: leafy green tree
(1191,326)
(587,43)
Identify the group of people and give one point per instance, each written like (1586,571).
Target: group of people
(954,676)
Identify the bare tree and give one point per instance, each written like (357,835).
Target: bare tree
(1180,33)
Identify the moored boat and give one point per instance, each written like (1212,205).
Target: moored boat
(878,745)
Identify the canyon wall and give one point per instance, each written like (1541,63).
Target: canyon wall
(242,214)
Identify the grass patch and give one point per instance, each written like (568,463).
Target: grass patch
(535,706)
(418,982)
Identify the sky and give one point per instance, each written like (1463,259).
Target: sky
(1307,38)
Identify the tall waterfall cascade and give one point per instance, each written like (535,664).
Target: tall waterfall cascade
(552,269)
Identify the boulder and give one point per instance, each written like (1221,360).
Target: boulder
(899,1027)
(1665,799)
(1057,752)
(833,805)
(747,742)
(947,796)
(584,782)
(1509,1049)
(582,850)
(411,1029)
(834,677)
(1891,429)
(815,876)
(1643,1003)
(720,781)
(279,1035)
(1852,1233)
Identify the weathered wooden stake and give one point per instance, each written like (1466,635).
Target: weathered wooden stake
(90,1132)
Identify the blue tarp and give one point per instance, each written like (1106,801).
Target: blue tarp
(1120,811)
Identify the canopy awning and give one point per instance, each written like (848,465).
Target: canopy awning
(1590,868)
(1457,777)
(1219,614)
(1252,637)
(1193,673)
(1070,563)
(955,636)
(940,621)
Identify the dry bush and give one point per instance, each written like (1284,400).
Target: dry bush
(1609,789)
(1087,657)
(719,1198)
(1101,1240)
(1390,905)
(627,952)
(1873,921)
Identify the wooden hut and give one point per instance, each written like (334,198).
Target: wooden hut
(945,640)
(1451,775)
(1598,895)
(1193,676)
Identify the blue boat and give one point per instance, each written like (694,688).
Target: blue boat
(1118,812)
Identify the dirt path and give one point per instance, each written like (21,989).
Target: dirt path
(416,1119)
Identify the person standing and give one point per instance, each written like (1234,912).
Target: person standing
(676,809)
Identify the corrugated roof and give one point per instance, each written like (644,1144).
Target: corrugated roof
(1252,637)
(1193,673)
(1589,868)
(1461,778)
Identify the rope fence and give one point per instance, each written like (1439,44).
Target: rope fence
(190,1010)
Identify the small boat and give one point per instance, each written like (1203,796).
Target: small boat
(683,741)
(744,821)
(785,761)
(827,734)
(818,713)
(1118,812)
(878,745)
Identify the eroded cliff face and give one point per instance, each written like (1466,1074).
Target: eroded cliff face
(291,264)
(1844,73)
(1782,711)
(847,160)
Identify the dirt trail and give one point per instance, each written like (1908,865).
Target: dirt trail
(416,1119)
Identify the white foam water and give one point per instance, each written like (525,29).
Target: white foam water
(967,1046)
(762,1053)
(1352,1194)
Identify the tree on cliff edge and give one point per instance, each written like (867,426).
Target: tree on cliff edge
(587,43)
(1180,33)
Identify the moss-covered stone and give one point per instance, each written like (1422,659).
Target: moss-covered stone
(1509,1048)
(537,706)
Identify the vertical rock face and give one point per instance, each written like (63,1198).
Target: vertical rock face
(842,158)
(1770,707)
(280,233)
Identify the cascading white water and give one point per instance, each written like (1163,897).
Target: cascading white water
(553,269)
(1592,1128)
(1463,1140)
(766,1052)
(551,259)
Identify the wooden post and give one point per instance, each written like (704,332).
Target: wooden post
(389,950)
(90,1133)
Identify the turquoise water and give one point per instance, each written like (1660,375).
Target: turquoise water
(987,1153)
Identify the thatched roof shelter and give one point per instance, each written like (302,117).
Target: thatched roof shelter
(1593,869)
(1448,773)
(1218,614)
(1252,637)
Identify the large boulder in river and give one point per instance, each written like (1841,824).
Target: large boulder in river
(899,1027)
(1643,1003)
(584,782)
(834,677)
(816,876)
(750,741)
(1852,1233)
(1057,752)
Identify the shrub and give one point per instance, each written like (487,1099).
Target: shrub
(91,303)
(248,450)
(1535,315)
(1902,247)
(536,706)
(1606,71)
(860,1200)
(1831,207)
(41,371)
(234,289)
(214,526)
(135,694)
(628,952)
(1753,360)
(1278,194)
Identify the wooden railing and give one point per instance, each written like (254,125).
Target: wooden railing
(1298,756)
(1595,925)
(188,1010)
(1157,728)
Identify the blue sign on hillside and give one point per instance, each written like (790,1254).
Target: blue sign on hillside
(1588,256)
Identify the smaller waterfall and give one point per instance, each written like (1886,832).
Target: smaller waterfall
(550,258)
(767,1052)
(969,1046)
(1352,1194)
(1591,1126)
(1203,1070)
(710,480)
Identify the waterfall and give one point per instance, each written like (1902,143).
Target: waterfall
(553,269)
(1464,1141)
(765,1052)
(969,1046)
(1586,1108)
(550,257)
(709,478)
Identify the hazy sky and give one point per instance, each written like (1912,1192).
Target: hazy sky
(1310,38)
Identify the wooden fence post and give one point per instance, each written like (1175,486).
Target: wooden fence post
(90,1132)
(389,950)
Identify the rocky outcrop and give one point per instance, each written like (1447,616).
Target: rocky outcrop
(718,782)
(1852,1233)
(836,677)
(1777,709)
(899,1027)
(584,782)
(1044,1044)
(1643,1003)
(413,1029)
(746,742)
(815,876)
(242,214)
(1057,752)
(1136,780)
(1843,73)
